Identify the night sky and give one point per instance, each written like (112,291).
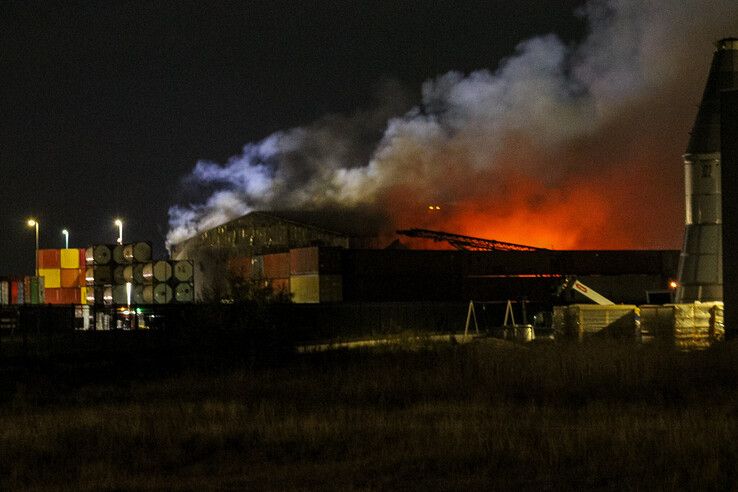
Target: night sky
(108,106)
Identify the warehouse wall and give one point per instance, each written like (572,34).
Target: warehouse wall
(254,234)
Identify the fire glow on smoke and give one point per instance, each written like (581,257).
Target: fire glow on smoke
(559,147)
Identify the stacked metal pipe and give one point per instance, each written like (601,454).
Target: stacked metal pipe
(126,274)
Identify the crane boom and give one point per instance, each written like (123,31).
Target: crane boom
(467,243)
(596,297)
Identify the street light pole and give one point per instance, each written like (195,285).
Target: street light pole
(119,223)
(66,238)
(34,223)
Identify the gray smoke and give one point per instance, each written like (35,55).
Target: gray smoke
(604,122)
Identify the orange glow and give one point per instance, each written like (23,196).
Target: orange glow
(608,192)
(523,210)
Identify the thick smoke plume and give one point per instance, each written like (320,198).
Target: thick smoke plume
(560,146)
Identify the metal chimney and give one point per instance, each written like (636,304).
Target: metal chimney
(700,263)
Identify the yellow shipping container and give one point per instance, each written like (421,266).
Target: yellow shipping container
(52,277)
(305,288)
(83,295)
(314,288)
(70,258)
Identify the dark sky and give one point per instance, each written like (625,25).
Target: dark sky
(106,106)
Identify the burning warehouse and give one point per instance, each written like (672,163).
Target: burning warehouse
(505,158)
(315,262)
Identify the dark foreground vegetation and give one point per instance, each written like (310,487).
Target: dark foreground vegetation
(133,411)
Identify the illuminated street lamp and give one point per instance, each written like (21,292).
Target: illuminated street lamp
(119,223)
(66,238)
(34,223)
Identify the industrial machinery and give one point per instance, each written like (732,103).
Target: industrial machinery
(467,243)
(574,284)
(543,320)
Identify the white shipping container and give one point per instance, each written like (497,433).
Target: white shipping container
(21,291)
(4,292)
(82,317)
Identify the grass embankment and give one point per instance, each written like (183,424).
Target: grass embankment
(477,416)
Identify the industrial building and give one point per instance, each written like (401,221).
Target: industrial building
(215,251)
(314,264)
(300,254)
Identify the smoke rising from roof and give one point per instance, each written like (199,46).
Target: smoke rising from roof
(560,146)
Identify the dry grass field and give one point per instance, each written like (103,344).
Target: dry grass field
(482,416)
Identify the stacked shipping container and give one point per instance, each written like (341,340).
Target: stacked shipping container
(22,290)
(315,275)
(308,275)
(276,272)
(64,275)
(60,280)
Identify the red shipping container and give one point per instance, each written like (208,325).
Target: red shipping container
(304,260)
(82,277)
(280,285)
(277,265)
(49,258)
(14,292)
(240,267)
(63,296)
(72,295)
(52,295)
(82,257)
(70,277)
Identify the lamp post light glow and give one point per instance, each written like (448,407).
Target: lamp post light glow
(119,223)
(34,223)
(66,238)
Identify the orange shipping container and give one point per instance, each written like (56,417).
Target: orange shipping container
(277,265)
(70,277)
(49,258)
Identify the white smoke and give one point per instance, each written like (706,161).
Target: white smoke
(597,97)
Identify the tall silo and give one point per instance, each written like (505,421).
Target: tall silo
(729,155)
(700,263)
